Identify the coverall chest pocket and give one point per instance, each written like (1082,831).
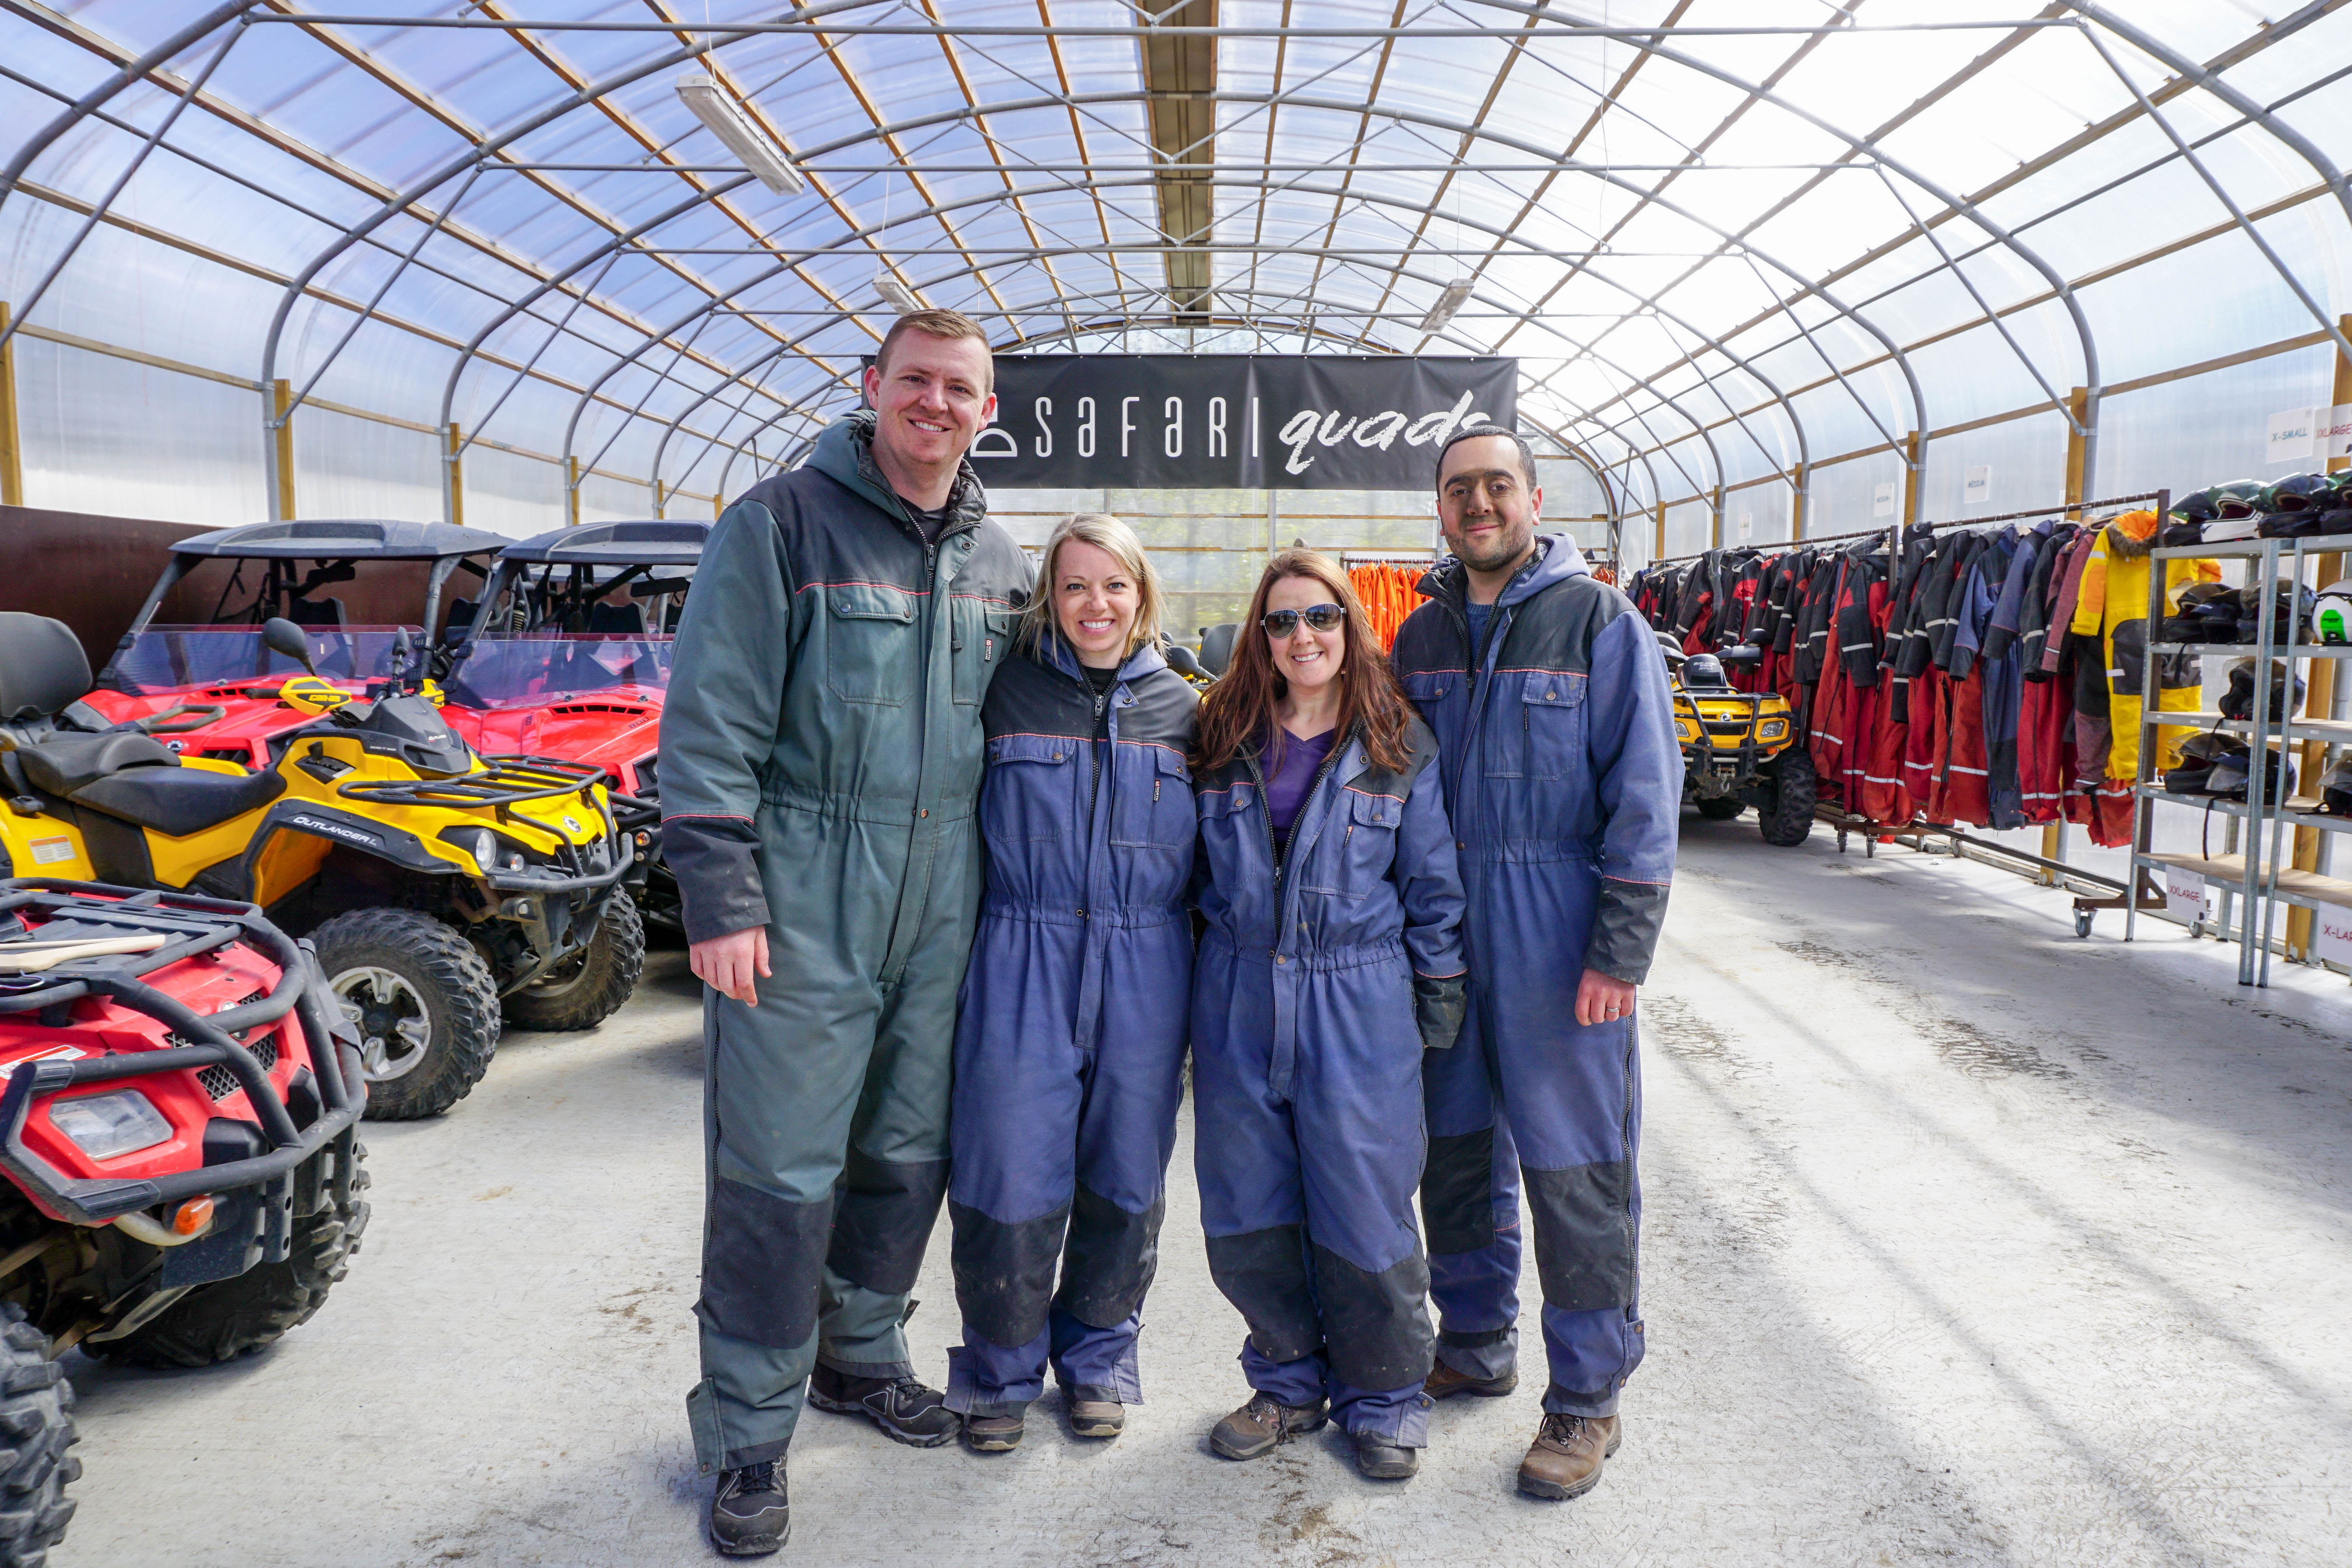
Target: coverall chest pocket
(1031,791)
(1152,808)
(983,634)
(1551,724)
(870,648)
(1358,846)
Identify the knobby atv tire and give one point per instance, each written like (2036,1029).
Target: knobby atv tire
(588,990)
(224,1320)
(452,981)
(35,1428)
(1789,820)
(1720,810)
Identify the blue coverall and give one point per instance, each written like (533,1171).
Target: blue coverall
(1307,1075)
(1564,777)
(1070,1029)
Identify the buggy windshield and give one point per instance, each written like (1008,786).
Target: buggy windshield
(502,672)
(166,659)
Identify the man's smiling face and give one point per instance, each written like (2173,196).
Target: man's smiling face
(932,398)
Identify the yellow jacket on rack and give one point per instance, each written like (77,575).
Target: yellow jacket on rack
(2113,607)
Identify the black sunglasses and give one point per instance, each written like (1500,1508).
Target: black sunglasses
(1280,624)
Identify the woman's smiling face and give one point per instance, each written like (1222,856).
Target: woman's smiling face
(1308,659)
(1096,601)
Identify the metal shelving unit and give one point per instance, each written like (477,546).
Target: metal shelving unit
(2257,870)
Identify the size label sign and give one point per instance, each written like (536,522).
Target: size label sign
(2331,936)
(2187,896)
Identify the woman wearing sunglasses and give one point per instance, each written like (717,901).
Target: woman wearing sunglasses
(1331,959)
(1071,1026)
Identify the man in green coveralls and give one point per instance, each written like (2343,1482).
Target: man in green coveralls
(821,759)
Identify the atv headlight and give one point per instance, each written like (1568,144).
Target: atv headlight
(104,1126)
(480,842)
(1771,729)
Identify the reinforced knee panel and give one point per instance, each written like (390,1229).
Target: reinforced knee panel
(1264,1274)
(883,1213)
(1457,1192)
(1377,1325)
(762,1264)
(1005,1272)
(1109,1260)
(1584,1234)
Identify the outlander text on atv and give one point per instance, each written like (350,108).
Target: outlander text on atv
(568,656)
(1740,748)
(184,1180)
(220,664)
(439,885)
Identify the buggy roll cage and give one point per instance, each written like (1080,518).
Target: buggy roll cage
(640,547)
(190,925)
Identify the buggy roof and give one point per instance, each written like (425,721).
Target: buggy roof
(341,538)
(651,541)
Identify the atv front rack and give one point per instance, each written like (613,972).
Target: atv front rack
(190,925)
(508,781)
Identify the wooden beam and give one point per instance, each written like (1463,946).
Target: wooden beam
(453,480)
(281,438)
(12,452)
(570,492)
(1797,501)
(1913,444)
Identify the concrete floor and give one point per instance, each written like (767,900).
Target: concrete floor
(1967,1242)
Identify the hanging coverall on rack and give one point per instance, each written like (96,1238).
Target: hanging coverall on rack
(2112,607)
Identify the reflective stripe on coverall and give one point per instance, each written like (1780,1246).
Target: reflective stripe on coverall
(821,756)
(1565,779)
(1070,1031)
(1307,1076)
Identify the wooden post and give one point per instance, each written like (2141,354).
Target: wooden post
(570,492)
(453,478)
(1660,553)
(1715,529)
(660,500)
(2078,404)
(1797,502)
(12,454)
(281,437)
(2318,703)
(1913,444)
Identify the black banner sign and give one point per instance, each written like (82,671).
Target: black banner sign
(1247,421)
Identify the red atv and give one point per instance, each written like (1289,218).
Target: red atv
(184,1180)
(569,659)
(216,672)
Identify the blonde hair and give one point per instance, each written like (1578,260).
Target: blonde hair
(1116,539)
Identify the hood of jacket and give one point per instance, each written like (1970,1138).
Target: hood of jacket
(1556,560)
(845,454)
(2132,535)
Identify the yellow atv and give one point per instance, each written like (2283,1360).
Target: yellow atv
(1740,748)
(437,885)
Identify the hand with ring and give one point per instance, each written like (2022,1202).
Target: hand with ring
(1602,998)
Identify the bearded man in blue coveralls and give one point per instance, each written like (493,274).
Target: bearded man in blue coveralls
(1563,776)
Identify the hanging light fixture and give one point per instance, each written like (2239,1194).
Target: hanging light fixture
(896,295)
(1456,293)
(725,119)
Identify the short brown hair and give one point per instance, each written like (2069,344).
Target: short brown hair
(934,324)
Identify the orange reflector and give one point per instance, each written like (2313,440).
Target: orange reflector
(194,1216)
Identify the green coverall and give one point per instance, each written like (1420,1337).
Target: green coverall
(821,759)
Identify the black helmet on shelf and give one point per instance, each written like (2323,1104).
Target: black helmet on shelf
(2297,492)
(2197,506)
(2336,787)
(1703,672)
(2337,518)
(2211,745)
(2238,702)
(2181,531)
(2237,500)
(2291,604)
(2204,593)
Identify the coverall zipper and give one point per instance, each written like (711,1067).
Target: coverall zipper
(1266,816)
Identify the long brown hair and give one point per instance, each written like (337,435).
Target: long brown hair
(1240,707)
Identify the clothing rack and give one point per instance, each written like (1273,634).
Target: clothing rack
(1896,529)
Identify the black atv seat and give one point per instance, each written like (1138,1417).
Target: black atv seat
(64,762)
(179,801)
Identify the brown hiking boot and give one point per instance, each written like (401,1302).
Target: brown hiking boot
(1445,1383)
(1094,1412)
(1565,1460)
(1258,1426)
(995,1433)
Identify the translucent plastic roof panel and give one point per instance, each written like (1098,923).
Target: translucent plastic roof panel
(1725,238)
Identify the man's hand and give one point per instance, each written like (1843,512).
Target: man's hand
(1600,999)
(727,963)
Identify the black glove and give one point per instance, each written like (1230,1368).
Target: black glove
(1437,1008)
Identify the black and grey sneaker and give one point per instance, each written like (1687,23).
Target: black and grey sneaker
(901,1407)
(750,1515)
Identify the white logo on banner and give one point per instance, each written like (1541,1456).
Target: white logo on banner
(1882,501)
(2291,435)
(1979,489)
